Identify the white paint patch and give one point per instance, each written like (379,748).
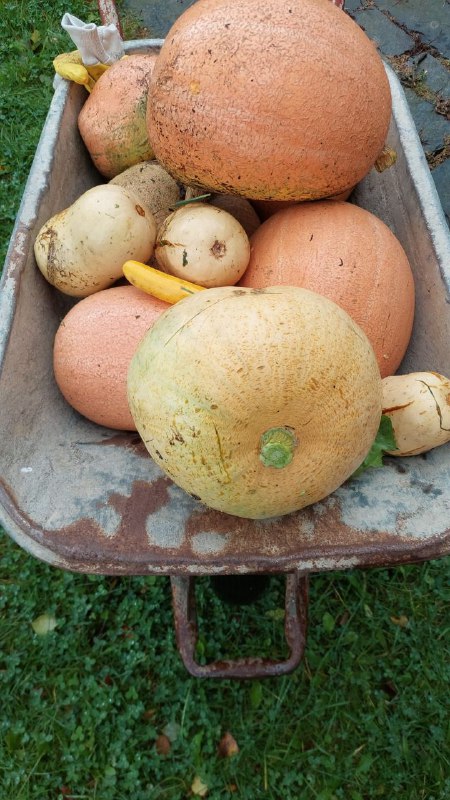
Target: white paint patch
(108,519)
(209,543)
(326,564)
(205,569)
(415,503)
(26,469)
(165,530)
(76,479)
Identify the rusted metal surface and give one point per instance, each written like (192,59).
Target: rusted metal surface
(109,15)
(90,499)
(295,626)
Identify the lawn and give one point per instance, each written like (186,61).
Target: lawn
(96,703)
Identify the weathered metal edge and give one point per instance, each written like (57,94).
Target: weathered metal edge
(34,189)
(427,196)
(331,558)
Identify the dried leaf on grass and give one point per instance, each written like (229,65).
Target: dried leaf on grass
(44,624)
(228,746)
(162,745)
(198,787)
(172,731)
(402,621)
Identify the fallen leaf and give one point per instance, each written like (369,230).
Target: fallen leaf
(228,746)
(198,788)
(172,731)
(402,621)
(386,159)
(328,622)
(44,624)
(162,745)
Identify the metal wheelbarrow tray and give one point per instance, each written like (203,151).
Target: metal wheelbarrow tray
(90,499)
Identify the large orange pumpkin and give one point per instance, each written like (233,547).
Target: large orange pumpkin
(347,254)
(112,122)
(270,100)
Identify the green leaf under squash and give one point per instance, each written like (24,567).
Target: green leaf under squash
(384,442)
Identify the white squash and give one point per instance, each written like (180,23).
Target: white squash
(418,405)
(203,244)
(82,249)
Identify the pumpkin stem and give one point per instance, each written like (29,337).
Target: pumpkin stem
(276,447)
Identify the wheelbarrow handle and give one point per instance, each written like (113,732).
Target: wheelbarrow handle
(109,14)
(186,630)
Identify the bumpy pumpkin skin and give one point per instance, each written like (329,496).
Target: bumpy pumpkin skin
(93,347)
(266,208)
(221,368)
(112,122)
(273,100)
(347,254)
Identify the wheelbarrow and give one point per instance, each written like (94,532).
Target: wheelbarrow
(90,499)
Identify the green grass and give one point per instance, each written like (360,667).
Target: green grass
(30,38)
(365,716)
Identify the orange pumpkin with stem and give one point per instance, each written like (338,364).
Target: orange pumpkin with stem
(273,100)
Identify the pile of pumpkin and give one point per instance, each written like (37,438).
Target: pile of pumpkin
(262,391)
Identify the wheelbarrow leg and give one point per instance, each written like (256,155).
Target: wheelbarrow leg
(295,626)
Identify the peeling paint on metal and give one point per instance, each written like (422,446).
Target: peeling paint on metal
(209,543)
(420,505)
(170,536)
(326,564)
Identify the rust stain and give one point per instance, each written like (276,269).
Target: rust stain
(281,541)
(145,499)
(87,540)
(270,546)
